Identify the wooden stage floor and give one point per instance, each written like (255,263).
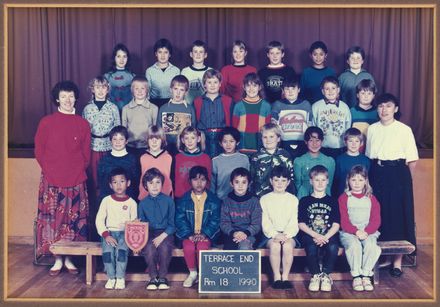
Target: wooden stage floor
(26,280)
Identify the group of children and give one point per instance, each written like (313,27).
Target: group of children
(208,156)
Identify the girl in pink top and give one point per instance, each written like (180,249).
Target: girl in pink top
(156,156)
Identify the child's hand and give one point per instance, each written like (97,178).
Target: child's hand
(239,236)
(320,240)
(362,235)
(111,241)
(159,239)
(280,237)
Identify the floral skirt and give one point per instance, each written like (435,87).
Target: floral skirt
(62,215)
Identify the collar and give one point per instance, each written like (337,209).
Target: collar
(196,153)
(157,156)
(357,195)
(120,199)
(239,65)
(67,113)
(336,103)
(119,153)
(243,198)
(286,101)
(156,65)
(133,104)
(198,69)
(205,97)
(256,100)
(184,103)
(154,197)
(358,108)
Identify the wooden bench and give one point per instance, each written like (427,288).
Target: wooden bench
(93,249)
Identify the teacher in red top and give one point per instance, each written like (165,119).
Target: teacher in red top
(62,148)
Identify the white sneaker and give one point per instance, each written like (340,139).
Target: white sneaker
(326,282)
(110,284)
(120,283)
(314,283)
(152,284)
(189,281)
(367,283)
(357,284)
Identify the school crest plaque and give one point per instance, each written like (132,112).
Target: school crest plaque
(136,235)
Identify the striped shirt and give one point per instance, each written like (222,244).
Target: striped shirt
(159,81)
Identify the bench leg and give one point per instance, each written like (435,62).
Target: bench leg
(376,274)
(89,269)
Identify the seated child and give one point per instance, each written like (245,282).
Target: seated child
(353,139)
(312,76)
(351,77)
(213,111)
(301,166)
(332,116)
(293,115)
(273,75)
(160,74)
(267,157)
(102,116)
(197,220)
(251,113)
(233,74)
(115,210)
(158,210)
(138,115)
(280,226)
(240,213)
(360,221)
(363,114)
(117,158)
(156,156)
(191,145)
(225,163)
(176,114)
(120,77)
(318,218)
(194,73)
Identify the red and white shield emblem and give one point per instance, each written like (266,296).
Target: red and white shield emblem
(136,235)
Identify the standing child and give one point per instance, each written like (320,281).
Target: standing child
(293,115)
(197,220)
(158,210)
(332,116)
(267,157)
(312,76)
(118,158)
(102,116)
(392,148)
(156,156)
(114,212)
(160,74)
(360,221)
(351,77)
(251,113)
(280,226)
(195,72)
(301,166)
(363,114)
(318,218)
(274,74)
(120,77)
(240,213)
(213,111)
(353,139)
(138,116)
(226,162)
(233,74)
(176,114)
(191,146)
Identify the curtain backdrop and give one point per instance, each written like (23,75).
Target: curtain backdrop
(46,45)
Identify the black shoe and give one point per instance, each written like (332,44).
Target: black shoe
(396,272)
(287,284)
(162,284)
(277,284)
(152,284)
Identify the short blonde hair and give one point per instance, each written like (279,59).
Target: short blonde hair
(140,80)
(156,132)
(187,130)
(271,127)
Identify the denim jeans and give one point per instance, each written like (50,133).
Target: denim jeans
(213,148)
(312,254)
(115,258)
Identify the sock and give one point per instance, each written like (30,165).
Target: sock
(68,263)
(58,263)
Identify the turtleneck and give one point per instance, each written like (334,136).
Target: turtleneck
(64,112)
(119,153)
(237,198)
